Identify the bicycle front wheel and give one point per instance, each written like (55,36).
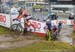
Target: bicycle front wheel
(17,29)
(14,27)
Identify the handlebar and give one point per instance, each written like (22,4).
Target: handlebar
(15,19)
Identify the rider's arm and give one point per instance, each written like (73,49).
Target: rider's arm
(20,16)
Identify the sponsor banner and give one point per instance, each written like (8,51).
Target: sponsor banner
(34,26)
(4,20)
(64,22)
(41,27)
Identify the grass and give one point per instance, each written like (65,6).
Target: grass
(7,31)
(44,47)
(4,30)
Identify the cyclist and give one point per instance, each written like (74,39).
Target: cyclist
(49,30)
(49,25)
(24,14)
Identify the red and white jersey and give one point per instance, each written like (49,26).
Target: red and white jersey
(24,13)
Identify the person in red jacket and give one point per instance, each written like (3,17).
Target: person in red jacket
(24,14)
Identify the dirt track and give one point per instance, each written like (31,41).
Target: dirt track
(10,42)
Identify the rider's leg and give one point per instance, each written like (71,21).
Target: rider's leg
(21,28)
(25,31)
(48,35)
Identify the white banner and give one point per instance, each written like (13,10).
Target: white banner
(40,27)
(64,22)
(35,26)
(5,20)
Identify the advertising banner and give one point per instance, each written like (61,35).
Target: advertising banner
(34,26)
(5,20)
(40,27)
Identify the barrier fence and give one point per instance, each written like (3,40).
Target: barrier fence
(36,26)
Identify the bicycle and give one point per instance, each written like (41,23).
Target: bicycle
(54,35)
(16,27)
